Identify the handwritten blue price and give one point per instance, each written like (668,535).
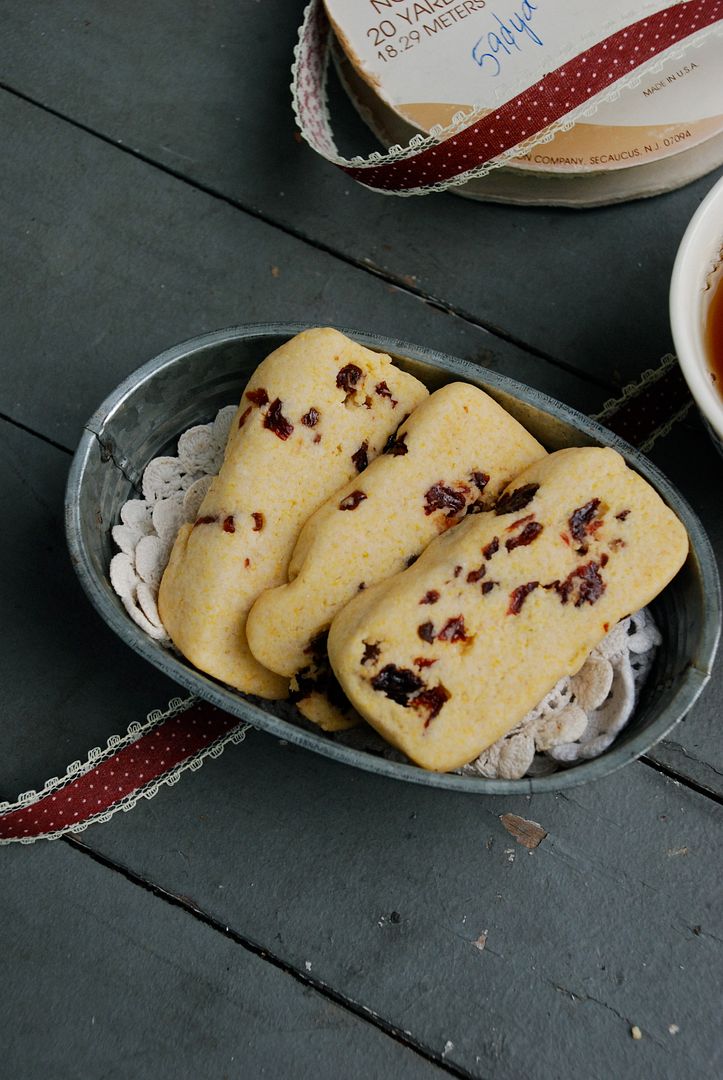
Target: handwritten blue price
(489,51)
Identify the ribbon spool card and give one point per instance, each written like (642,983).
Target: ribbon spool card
(543,87)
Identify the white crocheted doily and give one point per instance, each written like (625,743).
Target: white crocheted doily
(580,716)
(173,490)
(577,720)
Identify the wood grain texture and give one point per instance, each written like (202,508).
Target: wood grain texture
(695,747)
(107,261)
(203,89)
(68,684)
(111,981)
(385,889)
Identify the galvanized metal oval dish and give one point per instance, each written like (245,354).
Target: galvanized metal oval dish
(187,384)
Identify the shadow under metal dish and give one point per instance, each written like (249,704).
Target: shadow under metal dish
(187,384)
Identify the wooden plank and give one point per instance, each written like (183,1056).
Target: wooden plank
(68,685)
(695,747)
(204,91)
(109,980)
(421,906)
(107,261)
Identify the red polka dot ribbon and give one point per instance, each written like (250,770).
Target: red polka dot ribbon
(152,754)
(473,151)
(648,408)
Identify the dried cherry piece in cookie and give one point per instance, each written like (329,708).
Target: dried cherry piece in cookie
(392,440)
(430,597)
(361,457)
(259,397)
(442,497)
(431,701)
(530,532)
(352,501)
(276,421)
(348,378)
(396,446)
(453,630)
(580,519)
(310,418)
(520,521)
(480,480)
(517,499)
(371,652)
(519,595)
(397,683)
(584,584)
(383,390)
(490,549)
(591,586)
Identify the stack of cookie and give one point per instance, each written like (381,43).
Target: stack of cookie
(415,561)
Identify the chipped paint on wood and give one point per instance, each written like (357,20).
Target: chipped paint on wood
(528,833)
(481,941)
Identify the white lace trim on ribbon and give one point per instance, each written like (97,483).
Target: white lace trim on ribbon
(96,756)
(311,110)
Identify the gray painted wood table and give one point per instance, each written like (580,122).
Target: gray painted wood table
(276,914)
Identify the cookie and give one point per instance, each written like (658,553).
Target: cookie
(448,656)
(454,454)
(317,695)
(311,411)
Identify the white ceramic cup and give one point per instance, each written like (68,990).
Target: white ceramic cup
(699,257)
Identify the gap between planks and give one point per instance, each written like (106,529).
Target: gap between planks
(365,265)
(36,434)
(360,1011)
(678,778)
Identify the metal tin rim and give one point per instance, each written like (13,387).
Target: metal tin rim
(687,691)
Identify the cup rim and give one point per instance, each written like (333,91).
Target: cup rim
(697,258)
